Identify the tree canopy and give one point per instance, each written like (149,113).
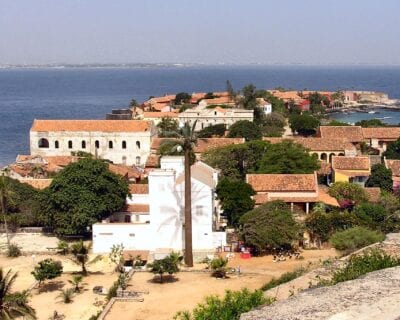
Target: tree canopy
(245,129)
(168,127)
(182,97)
(304,124)
(80,195)
(235,197)
(393,150)
(348,192)
(217,130)
(287,157)
(47,269)
(380,177)
(269,226)
(370,123)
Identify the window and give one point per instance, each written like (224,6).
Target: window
(43,143)
(83,144)
(124,160)
(110,144)
(123,144)
(127,218)
(137,160)
(69,144)
(56,144)
(138,144)
(97,144)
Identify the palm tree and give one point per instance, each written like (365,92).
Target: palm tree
(80,251)
(66,295)
(189,141)
(76,282)
(13,305)
(6,198)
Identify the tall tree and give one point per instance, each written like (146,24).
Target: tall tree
(287,157)
(380,177)
(82,194)
(393,150)
(168,127)
(245,129)
(303,124)
(80,252)
(13,305)
(6,198)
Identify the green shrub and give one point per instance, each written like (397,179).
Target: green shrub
(359,265)
(62,247)
(230,307)
(112,292)
(66,295)
(286,277)
(355,238)
(13,250)
(218,265)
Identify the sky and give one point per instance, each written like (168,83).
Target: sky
(200,31)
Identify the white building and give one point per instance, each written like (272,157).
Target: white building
(264,105)
(120,141)
(209,117)
(154,216)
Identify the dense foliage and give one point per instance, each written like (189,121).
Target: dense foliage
(235,197)
(348,192)
(245,129)
(182,97)
(218,266)
(355,238)
(273,125)
(230,307)
(359,265)
(370,123)
(287,157)
(380,177)
(170,264)
(174,147)
(168,127)
(304,124)
(269,226)
(80,195)
(47,269)
(393,150)
(217,130)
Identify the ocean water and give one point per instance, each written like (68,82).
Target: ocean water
(88,93)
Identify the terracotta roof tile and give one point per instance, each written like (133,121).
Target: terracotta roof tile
(374,194)
(282,182)
(390,133)
(351,133)
(153,161)
(91,125)
(206,144)
(220,100)
(148,115)
(37,183)
(350,163)
(125,171)
(393,165)
(137,208)
(138,188)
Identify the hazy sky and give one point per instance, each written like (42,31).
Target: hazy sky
(200,31)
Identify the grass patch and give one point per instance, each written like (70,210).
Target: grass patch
(286,277)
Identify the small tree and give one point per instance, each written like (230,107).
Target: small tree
(348,192)
(269,226)
(123,280)
(212,131)
(62,247)
(393,150)
(245,129)
(66,295)
(80,252)
(182,97)
(47,269)
(380,177)
(117,256)
(218,265)
(76,282)
(169,264)
(303,124)
(168,127)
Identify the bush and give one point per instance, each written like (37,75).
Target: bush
(47,269)
(218,265)
(13,251)
(230,307)
(359,265)
(355,238)
(66,295)
(62,247)
(112,292)
(286,277)
(217,130)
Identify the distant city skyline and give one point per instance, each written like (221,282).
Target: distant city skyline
(310,32)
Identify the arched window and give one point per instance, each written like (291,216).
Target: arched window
(124,144)
(97,144)
(138,144)
(56,144)
(324,157)
(124,160)
(137,160)
(69,144)
(43,143)
(110,144)
(83,144)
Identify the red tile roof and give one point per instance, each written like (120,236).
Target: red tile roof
(137,208)
(148,115)
(374,194)
(282,182)
(350,163)
(352,133)
(139,188)
(206,144)
(317,144)
(125,171)
(91,125)
(390,133)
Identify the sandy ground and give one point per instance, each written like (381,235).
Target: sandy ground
(29,242)
(164,300)
(47,301)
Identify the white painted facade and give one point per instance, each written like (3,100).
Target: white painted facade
(120,147)
(218,115)
(165,220)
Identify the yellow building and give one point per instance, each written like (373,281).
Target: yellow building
(351,169)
